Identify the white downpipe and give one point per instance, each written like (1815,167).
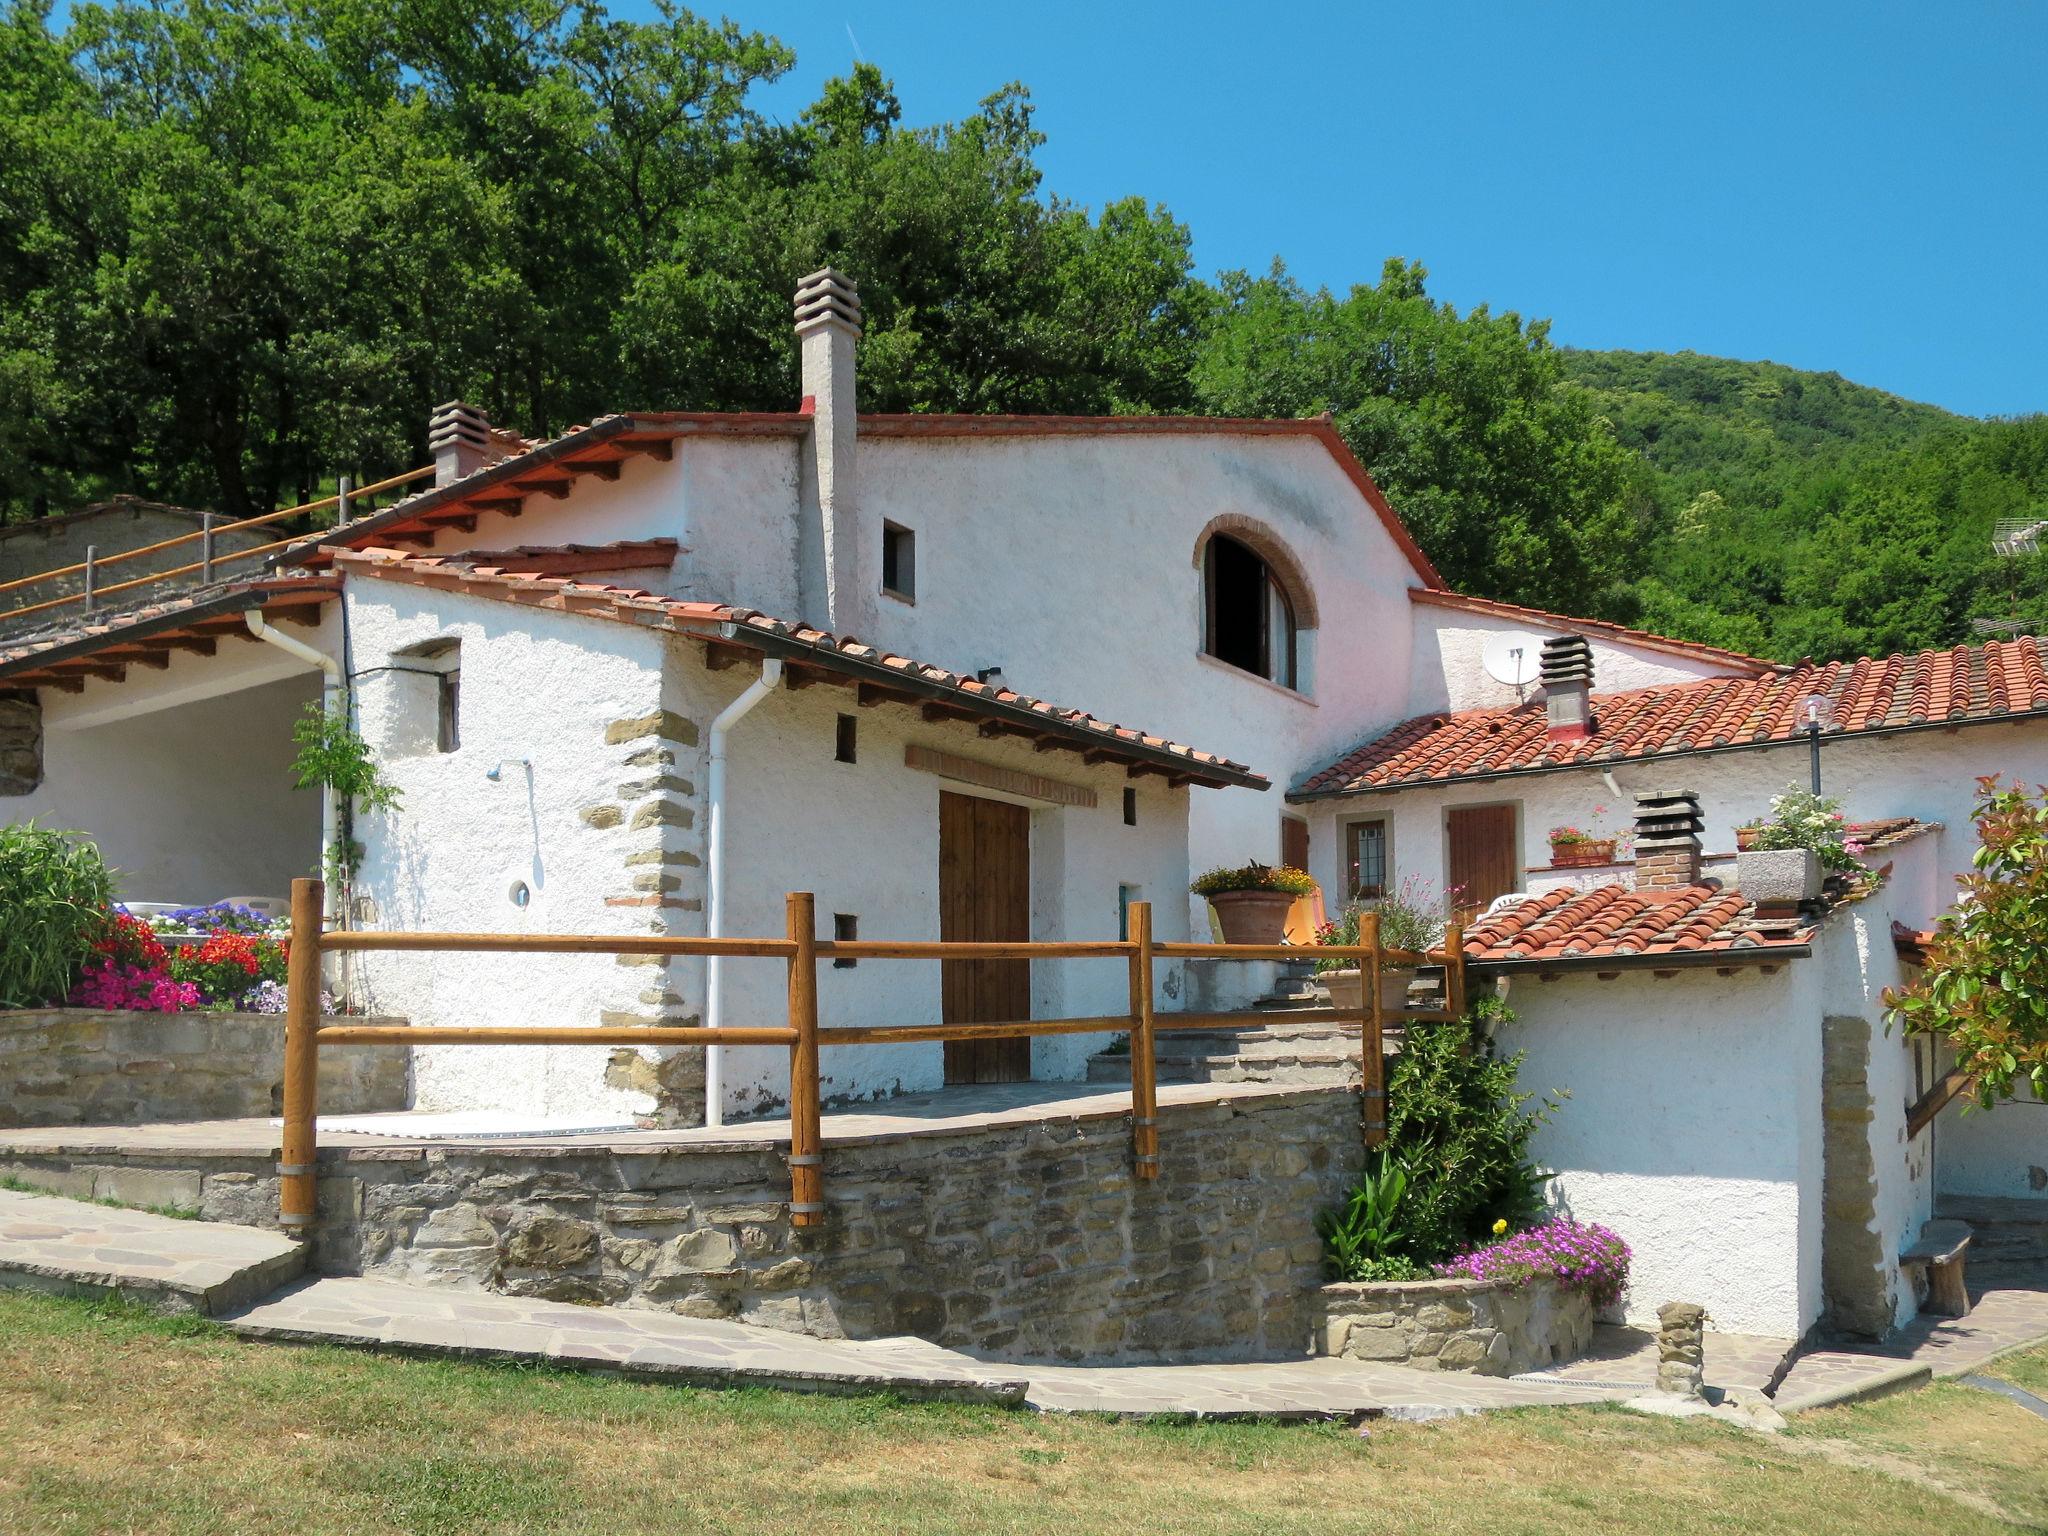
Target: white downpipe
(330,807)
(714,859)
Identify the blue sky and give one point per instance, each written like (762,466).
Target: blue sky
(1857,187)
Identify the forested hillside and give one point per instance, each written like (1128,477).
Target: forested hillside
(1800,514)
(245,248)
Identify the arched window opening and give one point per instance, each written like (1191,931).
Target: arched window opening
(1249,621)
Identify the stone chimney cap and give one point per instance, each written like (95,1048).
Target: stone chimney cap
(828,297)
(1567,659)
(458,421)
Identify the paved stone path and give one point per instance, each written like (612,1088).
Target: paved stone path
(436,1320)
(180,1266)
(2008,1310)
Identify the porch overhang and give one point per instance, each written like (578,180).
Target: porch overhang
(105,648)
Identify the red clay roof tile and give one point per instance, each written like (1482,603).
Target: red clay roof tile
(1966,685)
(729,624)
(1615,921)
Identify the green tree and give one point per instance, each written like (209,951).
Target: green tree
(1511,482)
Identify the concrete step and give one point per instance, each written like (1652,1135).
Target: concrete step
(52,1244)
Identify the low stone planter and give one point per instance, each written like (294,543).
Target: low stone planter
(1486,1327)
(1778,876)
(1347,988)
(86,1066)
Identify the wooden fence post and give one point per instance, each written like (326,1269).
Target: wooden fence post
(297,1184)
(1144,1057)
(806,1136)
(1372,1043)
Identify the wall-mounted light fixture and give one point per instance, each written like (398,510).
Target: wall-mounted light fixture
(497,772)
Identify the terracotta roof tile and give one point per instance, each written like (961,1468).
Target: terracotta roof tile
(1966,685)
(1615,921)
(729,624)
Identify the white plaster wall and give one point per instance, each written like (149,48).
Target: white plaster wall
(190,804)
(731,502)
(1693,1130)
(2001,1151)
(1070,563)
(1928,774)
(1449,671)
(537,685)
(864,839)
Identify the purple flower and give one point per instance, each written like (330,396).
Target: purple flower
(1578,1256)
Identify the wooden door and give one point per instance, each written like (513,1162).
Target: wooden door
(1482,856)
(985,897)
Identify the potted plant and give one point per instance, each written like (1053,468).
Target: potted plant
(1788,856)
(1412,918)
(1252,901)
(1571,848)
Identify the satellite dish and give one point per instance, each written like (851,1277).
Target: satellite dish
(1514,658)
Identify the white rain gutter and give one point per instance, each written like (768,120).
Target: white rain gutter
(330,805)
(714,859)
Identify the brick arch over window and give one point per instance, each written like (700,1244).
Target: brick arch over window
(1262,541)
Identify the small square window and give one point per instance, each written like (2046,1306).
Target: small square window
(847,747)
(899,562)
(1130,807)
(846,930)
(1368,859)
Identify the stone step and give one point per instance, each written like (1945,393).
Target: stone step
(48,1243)
(2002,1231)
(631,1341)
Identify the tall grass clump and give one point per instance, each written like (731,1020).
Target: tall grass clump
(55,891)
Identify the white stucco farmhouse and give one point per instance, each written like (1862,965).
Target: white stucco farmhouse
(993,677)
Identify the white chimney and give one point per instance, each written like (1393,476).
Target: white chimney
(1568,687)
(835,583)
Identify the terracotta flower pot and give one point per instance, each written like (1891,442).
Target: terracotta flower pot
(1582,854)
(1252,917)
(1745,838)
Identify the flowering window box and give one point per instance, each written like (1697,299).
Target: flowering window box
(1584,853)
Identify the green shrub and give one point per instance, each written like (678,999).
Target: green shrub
(1253,877)
(55,890)
(1456,1161)
(1461,1127)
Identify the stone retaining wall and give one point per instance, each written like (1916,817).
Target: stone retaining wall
(81,1066)
(1487,1327)
(1027,1236)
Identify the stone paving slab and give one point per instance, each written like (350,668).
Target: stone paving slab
(389,1314)
(912,1114)
(2008,1311)
(1627,1357)
(47,1243)
(1309,1388)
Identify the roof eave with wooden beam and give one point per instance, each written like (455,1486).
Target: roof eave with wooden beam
(808,664)
(551,470)
(147,639)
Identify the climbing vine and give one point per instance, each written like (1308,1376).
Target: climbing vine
(333,755)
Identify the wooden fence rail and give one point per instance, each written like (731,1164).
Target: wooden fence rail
(90,567)
(802,951)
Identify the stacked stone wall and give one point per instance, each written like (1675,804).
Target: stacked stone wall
(1031,1238)
(80,1066)
(1485,1327)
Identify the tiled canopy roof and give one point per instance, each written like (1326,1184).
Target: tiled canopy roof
(1966,685)
(816,655)
(1615,922)
(105,646)
(551,468)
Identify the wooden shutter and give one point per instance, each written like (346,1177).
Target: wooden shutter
(1482,860)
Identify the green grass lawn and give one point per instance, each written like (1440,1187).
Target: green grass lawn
(112,1421)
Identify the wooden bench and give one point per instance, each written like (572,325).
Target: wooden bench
(1941,1247)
